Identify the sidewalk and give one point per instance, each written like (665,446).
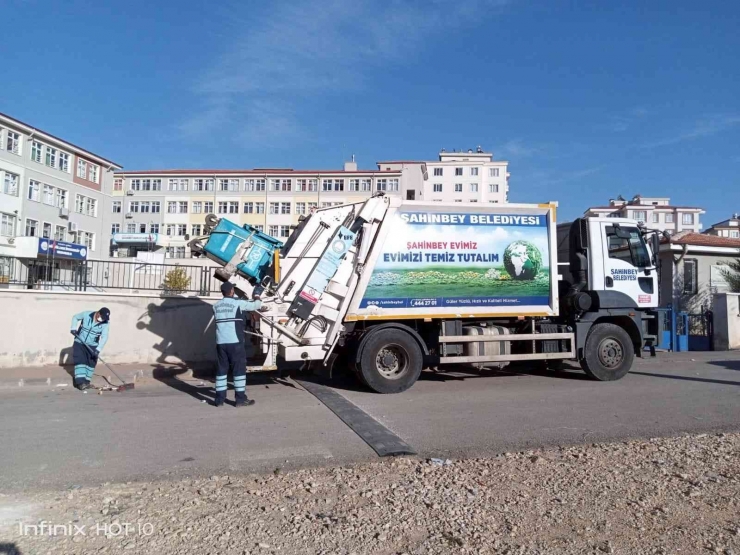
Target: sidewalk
(54,375)
(58,376)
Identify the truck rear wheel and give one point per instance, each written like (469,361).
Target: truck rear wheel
(608,354)
(391,361)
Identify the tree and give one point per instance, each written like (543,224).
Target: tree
(175,282)
(731,274)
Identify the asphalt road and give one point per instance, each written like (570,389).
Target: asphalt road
(55,438)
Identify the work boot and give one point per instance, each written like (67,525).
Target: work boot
(82,385)
(220,398)
(242,401)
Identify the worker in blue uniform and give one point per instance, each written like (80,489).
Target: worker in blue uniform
(230,315)
(91,334)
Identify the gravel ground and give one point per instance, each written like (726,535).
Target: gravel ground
(676,495)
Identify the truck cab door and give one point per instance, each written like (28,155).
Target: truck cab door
(628,268)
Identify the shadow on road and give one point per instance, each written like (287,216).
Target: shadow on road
(9,549)
(727,364)
(685,378)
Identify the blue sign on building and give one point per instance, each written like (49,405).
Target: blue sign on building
(61,249)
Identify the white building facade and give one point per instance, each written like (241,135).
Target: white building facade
(51,189)
(471,176)
(654,212)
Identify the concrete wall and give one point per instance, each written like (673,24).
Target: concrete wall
(726,321)
(144,329)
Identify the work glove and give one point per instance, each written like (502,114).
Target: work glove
(73,332)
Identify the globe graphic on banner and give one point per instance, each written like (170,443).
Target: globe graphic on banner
(522,260)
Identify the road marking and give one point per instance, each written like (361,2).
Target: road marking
(381,439)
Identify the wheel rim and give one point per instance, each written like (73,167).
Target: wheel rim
(611,352)
(392,361)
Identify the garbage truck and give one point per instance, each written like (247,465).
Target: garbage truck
(388,287)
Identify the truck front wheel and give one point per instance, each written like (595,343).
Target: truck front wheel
(608,354)
(391,361)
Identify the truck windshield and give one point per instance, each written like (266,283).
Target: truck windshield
(632,249)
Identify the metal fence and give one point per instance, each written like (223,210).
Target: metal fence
(106,275)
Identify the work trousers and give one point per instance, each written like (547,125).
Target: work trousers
(231,357)
(84,362)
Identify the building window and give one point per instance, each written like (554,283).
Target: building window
(474,172)
(197,207)
(734,233)
(115,228)
(300,208)
(284,231)
(286,184)
(313,185)
(260,228)
(51,157)
(46,231)
(393,185)
(437,187)
(81,168)
(254,185)
(208,207)
(7,225)
(438,172)
(339,184)
(260,207)
(142,228)
(492,172)
(233,207)
(273,230)
(669,218)
(146,184)
(354,185)
(10,184)
(130,228)
(60,233)
(285,208)
(312,206)
(656,217)
(458,171)
(196,230)
(116,206)
(93,170)
(86,205)
(222,207)
(177,184)
(639,215)
(328,185)
(175,252)
(493,201)
(231,185)
(493,188)
(473,187)
(366,185)
(458,187)
(473,200)
(249,208)
(64,162)
(690,286)
(274,184)
(182,230)
(687,219)
(458,200)
(34,188)
(172,207)
(118,184)
(31,227)
(274,208)
(381,185)
(36,148)
(156,206)
(88,239)
(13,142)
(203,185)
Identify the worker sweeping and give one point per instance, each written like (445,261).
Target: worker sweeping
(230,314)
(91,334)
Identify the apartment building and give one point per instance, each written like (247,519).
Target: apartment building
(726,228)
(655,212)
(161,210)
(457,176)
(50,189)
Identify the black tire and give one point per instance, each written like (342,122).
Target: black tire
(390,361)
(609,353)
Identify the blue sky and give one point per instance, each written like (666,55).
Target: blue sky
(587,100)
